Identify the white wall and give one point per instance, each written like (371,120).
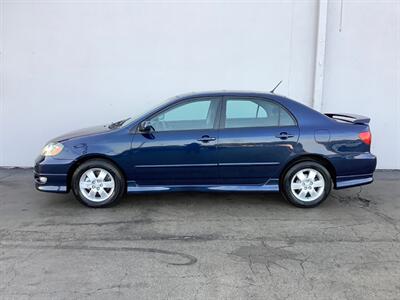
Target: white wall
(362,70)
(67,65)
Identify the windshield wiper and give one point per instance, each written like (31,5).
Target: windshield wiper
(117,124)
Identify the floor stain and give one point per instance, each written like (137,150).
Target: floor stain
(187,258)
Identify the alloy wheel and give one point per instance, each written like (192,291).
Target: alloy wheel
(97,184)
(307,185)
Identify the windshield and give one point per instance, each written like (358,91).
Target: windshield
(143,111)
(139,113)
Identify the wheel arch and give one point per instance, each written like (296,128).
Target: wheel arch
(86,158)
(310,157)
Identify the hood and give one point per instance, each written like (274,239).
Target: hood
(83,132)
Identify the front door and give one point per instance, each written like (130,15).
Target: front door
(257,136)
(182,148)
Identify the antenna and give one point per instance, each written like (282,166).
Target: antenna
(273,90)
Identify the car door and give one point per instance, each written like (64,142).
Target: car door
(181,150)
(257,136)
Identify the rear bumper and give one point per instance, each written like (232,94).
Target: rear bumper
(353,180)
(55,173)
(355,171)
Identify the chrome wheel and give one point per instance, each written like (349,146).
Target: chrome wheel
(307,185)
(97,184)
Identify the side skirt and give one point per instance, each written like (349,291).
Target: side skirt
(270,186)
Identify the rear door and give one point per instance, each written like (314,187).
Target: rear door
(257,136)
(182,149)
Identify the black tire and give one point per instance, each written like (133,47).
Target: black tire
(119,188)
(287,179)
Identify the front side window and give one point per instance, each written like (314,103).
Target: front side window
(242,113)
(196,114)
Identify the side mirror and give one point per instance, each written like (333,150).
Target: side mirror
(145,127)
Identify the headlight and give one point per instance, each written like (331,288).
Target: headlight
(52,149)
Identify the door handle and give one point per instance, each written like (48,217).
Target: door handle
(284,136)
(206,139)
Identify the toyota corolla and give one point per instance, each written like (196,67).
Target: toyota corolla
(213,141)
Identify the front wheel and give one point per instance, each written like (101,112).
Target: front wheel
(98,183)
(307,184)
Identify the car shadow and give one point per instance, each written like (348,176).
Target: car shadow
(178,199)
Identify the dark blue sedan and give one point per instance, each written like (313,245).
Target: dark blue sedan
(213,141)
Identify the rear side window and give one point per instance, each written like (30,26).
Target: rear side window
(242,113)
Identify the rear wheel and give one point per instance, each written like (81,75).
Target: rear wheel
(307,184)
(98,183)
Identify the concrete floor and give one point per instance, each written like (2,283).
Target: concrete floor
(200,245)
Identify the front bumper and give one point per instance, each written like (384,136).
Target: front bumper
(56,173)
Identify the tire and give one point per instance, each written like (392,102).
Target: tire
(306,184)
(98,183)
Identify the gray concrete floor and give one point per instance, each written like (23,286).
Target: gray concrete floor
(200,245)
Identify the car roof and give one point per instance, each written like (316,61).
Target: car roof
(227,93)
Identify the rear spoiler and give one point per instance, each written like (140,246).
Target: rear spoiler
(352,118)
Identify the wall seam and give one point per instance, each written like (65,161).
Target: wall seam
(290,48)
(320,55)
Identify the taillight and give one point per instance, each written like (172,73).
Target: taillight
(365,137)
